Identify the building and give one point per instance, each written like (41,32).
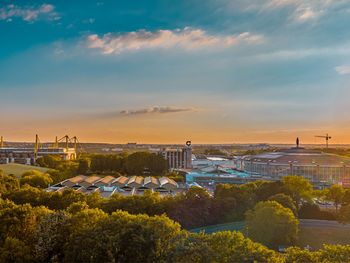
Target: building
(311,164)
(109,185)
(179,158)
(30,155)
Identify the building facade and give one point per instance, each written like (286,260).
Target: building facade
(179,158)
(311,164)
(29,155)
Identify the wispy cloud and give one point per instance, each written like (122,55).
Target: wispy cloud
(301,10)
(29,13)
(155,110)
(343,70)
(187,38)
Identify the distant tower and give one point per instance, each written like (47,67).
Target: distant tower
(297,142)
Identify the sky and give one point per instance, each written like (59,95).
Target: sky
(214,71)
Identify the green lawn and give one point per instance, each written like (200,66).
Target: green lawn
(316,237)
(18,169)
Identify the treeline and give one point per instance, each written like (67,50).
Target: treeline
(41,226)
(193,208)
(83,234)
(139,163)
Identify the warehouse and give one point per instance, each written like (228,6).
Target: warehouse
(110,185)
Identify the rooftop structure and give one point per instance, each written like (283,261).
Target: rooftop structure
(110,185)
(30,155)
(312,164)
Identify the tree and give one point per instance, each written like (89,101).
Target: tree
(50,161)
(84,166)
(8,183)
(36,179)
(297,187)
(335,194)
(285,201)
(344,214)
(334,254)
(296,254)
(144,162)
(51,235)
(272,224)
(192,208)
(20,221)
(15,251)
(220,247)
(346,197)
(125,238)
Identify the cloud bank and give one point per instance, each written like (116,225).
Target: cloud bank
(187,38)
(28,14)
(155,110)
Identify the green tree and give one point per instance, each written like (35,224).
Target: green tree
(14,250)
(285,201)
(296,254)
(20,221)
(144,162)
(8,183)
(125,238)
(36,179)
(298,188)
(84,166)
(51,235)
(334,254)
(225,247)
(344,214)
(335,194)
(192,208)
(272,224)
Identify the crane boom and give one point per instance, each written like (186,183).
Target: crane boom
(327,138)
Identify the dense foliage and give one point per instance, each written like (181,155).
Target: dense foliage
(272,224)
(68,226)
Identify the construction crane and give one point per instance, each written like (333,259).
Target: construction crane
(327,137)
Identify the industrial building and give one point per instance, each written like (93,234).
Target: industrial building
(109,185)
(311,164)
(29,155)
(179,158)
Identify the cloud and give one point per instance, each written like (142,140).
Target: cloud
(28,14)
(343,70)
(187,38)
(155,110)
(300,10)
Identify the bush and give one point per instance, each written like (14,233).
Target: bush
(36,179)
(312,211)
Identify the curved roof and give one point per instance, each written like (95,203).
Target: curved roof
(300,156)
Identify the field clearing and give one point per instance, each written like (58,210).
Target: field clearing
(18,169)
(314,233)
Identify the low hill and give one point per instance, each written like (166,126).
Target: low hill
(18,169)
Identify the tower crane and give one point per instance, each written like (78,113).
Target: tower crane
(327,137)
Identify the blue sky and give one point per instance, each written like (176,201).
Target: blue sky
(168,71)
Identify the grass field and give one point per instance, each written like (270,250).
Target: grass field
(316,237)
(308,235)
(18,169)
